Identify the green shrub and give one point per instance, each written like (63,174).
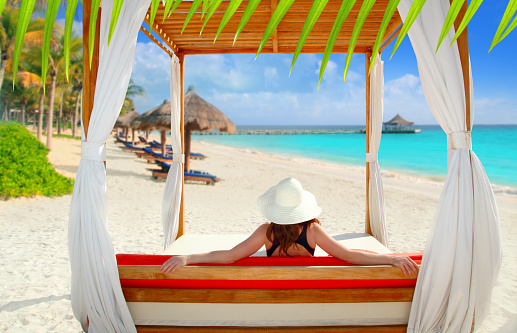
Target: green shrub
(24,167)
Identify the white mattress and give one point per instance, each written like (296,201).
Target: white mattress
(189,244)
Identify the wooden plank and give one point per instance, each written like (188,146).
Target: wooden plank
(265,296)
(367,226)
(274,36)
(253,50)
(263,273)
(272,329)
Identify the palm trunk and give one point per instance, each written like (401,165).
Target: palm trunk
(22,107)
(60,117)
(74,125)
(51,110)
(2,68)
(40,115)
(188,132)
(164,142)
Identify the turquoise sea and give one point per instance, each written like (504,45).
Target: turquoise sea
(422,153)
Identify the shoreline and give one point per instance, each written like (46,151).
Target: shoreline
(386,173)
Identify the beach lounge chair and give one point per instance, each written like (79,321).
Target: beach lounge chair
(327,295)
(129,146)
(155,156)
(192,175)
(197,156)
(142,139)
(156,144)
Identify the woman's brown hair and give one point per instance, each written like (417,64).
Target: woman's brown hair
(286,234)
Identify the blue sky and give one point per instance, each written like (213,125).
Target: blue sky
(260,92)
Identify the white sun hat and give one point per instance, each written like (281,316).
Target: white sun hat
(288,203)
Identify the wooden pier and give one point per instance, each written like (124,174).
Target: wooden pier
(285,131)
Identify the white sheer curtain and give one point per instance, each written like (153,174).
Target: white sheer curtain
(376,194)
(172,193)
(463,252)
(97,299)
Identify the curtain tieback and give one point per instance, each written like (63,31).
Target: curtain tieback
(459,140)
(178,158)
(93,151)
(371,157)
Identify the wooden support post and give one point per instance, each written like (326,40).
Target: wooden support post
(89,73)
(463,48)
(367,57)
(181,227)
(274,36)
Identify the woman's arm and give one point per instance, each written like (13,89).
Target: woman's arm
(246,248)
(338,250)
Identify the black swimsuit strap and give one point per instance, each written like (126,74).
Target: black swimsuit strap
(301,240)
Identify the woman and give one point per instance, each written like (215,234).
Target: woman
(294,231)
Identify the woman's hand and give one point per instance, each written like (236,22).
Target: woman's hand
(406,264)
(173,263)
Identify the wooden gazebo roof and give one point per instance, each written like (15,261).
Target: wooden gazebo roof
(283,40)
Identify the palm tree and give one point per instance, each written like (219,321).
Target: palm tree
(8,25)
(56,64)
(133,90)
(76,82)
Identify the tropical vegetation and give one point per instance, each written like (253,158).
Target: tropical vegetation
(33,86)
(24,167)
(507,24)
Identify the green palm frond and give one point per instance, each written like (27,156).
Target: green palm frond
(280,10)
(250,8)
(508,23)
(193,8)
(390,10)
(363,13)
(342,14)
(507,16)
(314,13)
(154,10)
(93,26)
(71,7)
(23,22)
(215,4)
(50,18)
(449,20)
(230,10)
(117,6)
(415,9)
(170,6)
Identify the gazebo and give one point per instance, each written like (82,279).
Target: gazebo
(397,123)
(464,248)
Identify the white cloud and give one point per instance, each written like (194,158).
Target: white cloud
(489,110)
(270,73)
(405,96)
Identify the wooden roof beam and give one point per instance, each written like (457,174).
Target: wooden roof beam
(391,32)
(159,31)
(275,32)
(156,41)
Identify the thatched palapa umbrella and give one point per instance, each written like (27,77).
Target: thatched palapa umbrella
(202,116)
(158,118)
(127,121)
(199,116)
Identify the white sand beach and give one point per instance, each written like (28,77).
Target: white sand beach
(34,265)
